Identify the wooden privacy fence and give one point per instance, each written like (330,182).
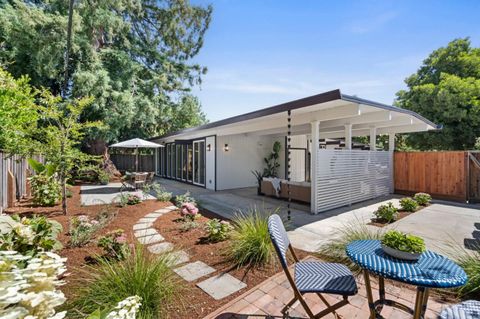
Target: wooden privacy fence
(126,162)
(13,179)
(447,175)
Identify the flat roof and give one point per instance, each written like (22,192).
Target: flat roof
(297,104)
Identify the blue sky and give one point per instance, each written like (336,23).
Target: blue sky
(261,53)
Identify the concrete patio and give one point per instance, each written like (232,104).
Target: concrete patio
(104,194)
(442,224)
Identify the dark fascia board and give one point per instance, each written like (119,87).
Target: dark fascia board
(307,101)
(297,104)
(358,100)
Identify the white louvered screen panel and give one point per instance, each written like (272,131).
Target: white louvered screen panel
(345,177)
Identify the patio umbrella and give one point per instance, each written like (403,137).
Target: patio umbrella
(136,143)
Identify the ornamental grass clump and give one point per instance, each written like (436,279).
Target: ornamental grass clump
(386,213)
(408,204)
(141,274)
(250,243)
(335,249)
(422,199)
(470,262)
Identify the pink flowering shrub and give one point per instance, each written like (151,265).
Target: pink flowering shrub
(189,212)
(115,244)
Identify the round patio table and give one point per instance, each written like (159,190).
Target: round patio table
(431,270)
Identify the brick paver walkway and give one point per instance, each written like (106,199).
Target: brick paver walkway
(267,299)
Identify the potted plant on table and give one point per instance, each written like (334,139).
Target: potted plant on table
(403,246)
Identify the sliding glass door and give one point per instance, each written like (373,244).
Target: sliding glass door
(199,163)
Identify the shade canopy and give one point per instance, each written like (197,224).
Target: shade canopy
(136,143)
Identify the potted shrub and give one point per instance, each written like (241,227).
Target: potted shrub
(403,246)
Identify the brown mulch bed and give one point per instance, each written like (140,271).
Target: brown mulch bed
(79,257)
(192,302)
(196,303)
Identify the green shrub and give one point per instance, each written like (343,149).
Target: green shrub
(334,250)
(470,262)
(408,204)
(250,241)
(45,190)
(218,230)
(422,199)
(403,242)
(82,228)
(157,191)
(29,236)
(103,177)
(115,244)
(387,213)
(128,199)
(142,274)
(180,200)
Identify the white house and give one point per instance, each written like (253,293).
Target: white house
(222,155)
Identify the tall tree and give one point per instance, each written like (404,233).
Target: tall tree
(18,114)
(60,132)
(132,56)
(446,90)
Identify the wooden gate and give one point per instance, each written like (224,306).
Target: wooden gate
(474,176)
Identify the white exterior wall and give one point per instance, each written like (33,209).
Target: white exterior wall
(210,162)
(246,153)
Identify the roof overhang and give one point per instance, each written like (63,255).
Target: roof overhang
(333,109)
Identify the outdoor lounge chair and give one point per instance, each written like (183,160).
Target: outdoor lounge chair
(311,276)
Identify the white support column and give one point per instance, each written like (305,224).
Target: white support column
(315,133)
(348,136)
(391,142)
(373,138)
(391,149)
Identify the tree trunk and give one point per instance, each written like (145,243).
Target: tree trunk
(63,182)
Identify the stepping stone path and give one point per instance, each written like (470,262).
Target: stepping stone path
(193,271)
(218,287)
(221,286)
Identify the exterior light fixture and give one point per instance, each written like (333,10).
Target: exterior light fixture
(209,147)
(225,148)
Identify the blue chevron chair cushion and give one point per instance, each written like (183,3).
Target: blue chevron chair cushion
(279,237)
(316,276)
(469,309)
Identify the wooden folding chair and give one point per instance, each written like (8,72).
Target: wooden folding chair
(311,276)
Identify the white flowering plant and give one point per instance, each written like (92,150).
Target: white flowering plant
(28,285)
(29,236)
(125,309)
